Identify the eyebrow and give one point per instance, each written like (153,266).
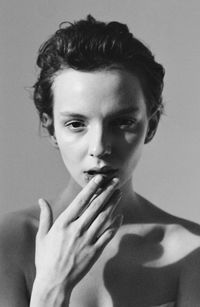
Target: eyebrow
(117,113)
(127,111)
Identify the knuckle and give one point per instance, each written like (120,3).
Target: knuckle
(97,203)
(82,201)
(102,217)
(77,230)
(95,249)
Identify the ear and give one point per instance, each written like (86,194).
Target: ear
(53,141)
(152,126)
(47,122)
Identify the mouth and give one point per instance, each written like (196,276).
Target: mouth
(106,172)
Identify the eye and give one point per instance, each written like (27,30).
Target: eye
(125,123)
(75,125)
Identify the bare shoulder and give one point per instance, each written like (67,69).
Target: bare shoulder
(184,232)
(17,240)
(186,241)
(17,231)
(178,233)
(181,240)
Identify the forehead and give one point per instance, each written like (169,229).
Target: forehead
(97,91)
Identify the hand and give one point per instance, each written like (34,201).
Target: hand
(66,250)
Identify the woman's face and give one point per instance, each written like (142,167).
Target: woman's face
(100,123)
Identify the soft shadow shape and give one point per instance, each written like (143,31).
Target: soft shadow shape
(132,284)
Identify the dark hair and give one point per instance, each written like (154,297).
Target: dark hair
(89,45)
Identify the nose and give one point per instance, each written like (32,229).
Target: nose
(100,142)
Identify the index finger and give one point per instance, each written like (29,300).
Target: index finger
(81,201)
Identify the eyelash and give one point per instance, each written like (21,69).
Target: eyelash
(125,123)
(76,129)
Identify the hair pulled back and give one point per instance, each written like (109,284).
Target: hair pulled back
(89,45)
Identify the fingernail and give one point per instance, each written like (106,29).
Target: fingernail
(115,181)
(41,203)
(98,179)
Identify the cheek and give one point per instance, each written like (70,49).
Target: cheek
(130,148)
(66,146)
(71,150)
(134,141)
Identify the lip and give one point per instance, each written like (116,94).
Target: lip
(107,172)
(103,170)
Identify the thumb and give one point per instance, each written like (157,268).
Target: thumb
(46,217)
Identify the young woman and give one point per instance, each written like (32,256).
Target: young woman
(99,95)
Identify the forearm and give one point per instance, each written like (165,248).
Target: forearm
(44,295)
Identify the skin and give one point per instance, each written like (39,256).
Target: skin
(84,253)
(82,143)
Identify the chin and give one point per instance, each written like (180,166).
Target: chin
(76,180)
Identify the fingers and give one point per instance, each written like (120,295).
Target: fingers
(80,203)
(104,200)
(46,218)
(104,218)
(108,234)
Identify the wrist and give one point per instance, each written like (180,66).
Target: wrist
(44,294)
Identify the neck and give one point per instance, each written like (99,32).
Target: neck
(129,205)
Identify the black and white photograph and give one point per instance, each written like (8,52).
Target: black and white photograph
(100,149)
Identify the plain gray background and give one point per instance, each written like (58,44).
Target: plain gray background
(169,172)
